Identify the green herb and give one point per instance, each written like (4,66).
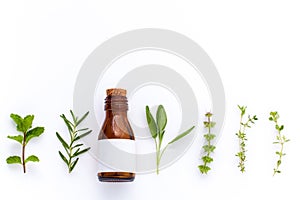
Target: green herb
(242,136)
(24,126)
(73,149)
(157,129)
(208,148)
(280,139)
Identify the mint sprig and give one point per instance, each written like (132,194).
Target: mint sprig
(72,148)
(208,147)
(24,125)
(280,139)
(241,134)
(157,130)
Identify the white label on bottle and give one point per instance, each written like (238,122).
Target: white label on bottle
(117,155)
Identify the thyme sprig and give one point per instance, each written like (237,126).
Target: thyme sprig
(208,148)
(241,134)
(280,139)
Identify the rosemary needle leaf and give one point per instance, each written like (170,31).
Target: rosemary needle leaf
(82,118)
(62,141)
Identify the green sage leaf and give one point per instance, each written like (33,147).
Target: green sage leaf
(151,123)
(161,118)
(182,135)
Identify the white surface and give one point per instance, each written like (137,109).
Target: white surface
(255,46)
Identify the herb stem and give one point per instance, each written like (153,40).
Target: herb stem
(23,152)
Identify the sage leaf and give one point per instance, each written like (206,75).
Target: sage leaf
(182,135)
(151,123)
(161,118)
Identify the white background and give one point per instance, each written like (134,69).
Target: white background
(255,46)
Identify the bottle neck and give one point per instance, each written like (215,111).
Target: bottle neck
(116,104)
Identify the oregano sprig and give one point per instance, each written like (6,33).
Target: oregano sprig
(280,139)
(241,134)
(24,125)
(72,148)
(157,130)
(208,148)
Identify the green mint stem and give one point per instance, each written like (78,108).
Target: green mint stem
(23,152)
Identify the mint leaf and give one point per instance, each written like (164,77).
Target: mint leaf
(19,122)
(27,122)
(18,138)
(13,160)
(32,158)
(35,132)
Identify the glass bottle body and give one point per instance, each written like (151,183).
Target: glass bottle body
(116,129)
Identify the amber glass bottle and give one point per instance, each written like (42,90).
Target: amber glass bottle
(116,134)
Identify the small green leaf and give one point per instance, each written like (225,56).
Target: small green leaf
(13,160)
(209,136)
(35,132)
(63,157)
(83,135)
(77,153)
(27,122)
(204,169)
(65,145)
(32,158)
(209,148)
(161,118)
(207,159)
(67,122)
(73,164)
(182,135)
(151,123)
(19,122)
(82,118)
(18,138)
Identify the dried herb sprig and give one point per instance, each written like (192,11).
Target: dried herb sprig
(24,126)
(73,149)
(157,129)
(208,148)
(241,134)
(280,139)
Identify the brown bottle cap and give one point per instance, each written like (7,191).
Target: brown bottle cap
(116,92)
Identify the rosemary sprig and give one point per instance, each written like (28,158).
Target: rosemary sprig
(73,150)
(208,148)
(157,129)
(280,139)
(24,126)
(243,137)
